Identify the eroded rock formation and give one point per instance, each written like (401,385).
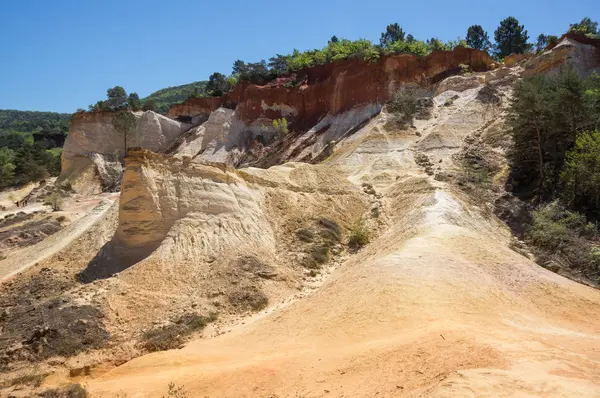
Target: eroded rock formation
(93,133)
(575,49)
(334,88)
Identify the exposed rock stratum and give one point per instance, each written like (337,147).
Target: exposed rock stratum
(436,304)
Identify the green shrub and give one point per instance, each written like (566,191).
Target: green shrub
(281,127)
(176,392)
(71,391)
(403,106)
(34,379)
(55,201)
(305,235)
(359,235)
(174,334)
(556,231)
(248,298)
(464,68)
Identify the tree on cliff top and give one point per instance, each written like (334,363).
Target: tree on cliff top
(478,38)
(116,92)
(393,32)
(124,124)
(511,38)
(586,27)
(543,41)
(217,84)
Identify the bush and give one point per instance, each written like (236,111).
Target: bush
(71,391)
(55,201)
(173,335)
(176,392)
(359,235)
(249,298)
(281,127)
(566,235)
(34,379)
(403,106)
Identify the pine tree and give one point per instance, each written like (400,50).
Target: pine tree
(511,38)
(478,38)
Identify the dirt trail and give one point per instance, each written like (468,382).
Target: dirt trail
(23,259)
(437,305)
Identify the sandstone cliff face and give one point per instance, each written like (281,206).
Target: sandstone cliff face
(574,49)
(160,191)
(92,133)
(334,88)
(327,103)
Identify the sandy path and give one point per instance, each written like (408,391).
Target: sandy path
(21,260)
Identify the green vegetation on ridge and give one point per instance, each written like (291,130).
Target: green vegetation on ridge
(30,145)
(555,163)
(164,98)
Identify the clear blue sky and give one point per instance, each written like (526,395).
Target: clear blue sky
(60,55)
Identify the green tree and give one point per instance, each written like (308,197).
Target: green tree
(478,38)
(435,44)
(393,32)
(586,26)
(149,105)
(334,39)
(239,67)
(7,167)
(217,84)
(134,101)
(511,38)
(256,72)
(581,174)
(124,123)
(116,92)
(543,41)
(545,115)
(279,64)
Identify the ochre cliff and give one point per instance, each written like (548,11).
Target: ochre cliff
(92,139)
(334,88)
(580,51)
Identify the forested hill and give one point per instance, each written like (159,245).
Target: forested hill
(30,145)
(30,121)
(166,97)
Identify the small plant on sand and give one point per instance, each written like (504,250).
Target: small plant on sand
(33,379)
(175,391)
(173,335)
(71,391)
(403,106)
(359,235)
(55,201)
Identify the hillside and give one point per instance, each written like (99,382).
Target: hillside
(166,97)
(362,251)
(30,145)
(32,121)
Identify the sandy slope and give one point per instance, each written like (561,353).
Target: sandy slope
(23,259)
(449,311)
(436,305)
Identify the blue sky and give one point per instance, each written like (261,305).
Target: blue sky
(61,55)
